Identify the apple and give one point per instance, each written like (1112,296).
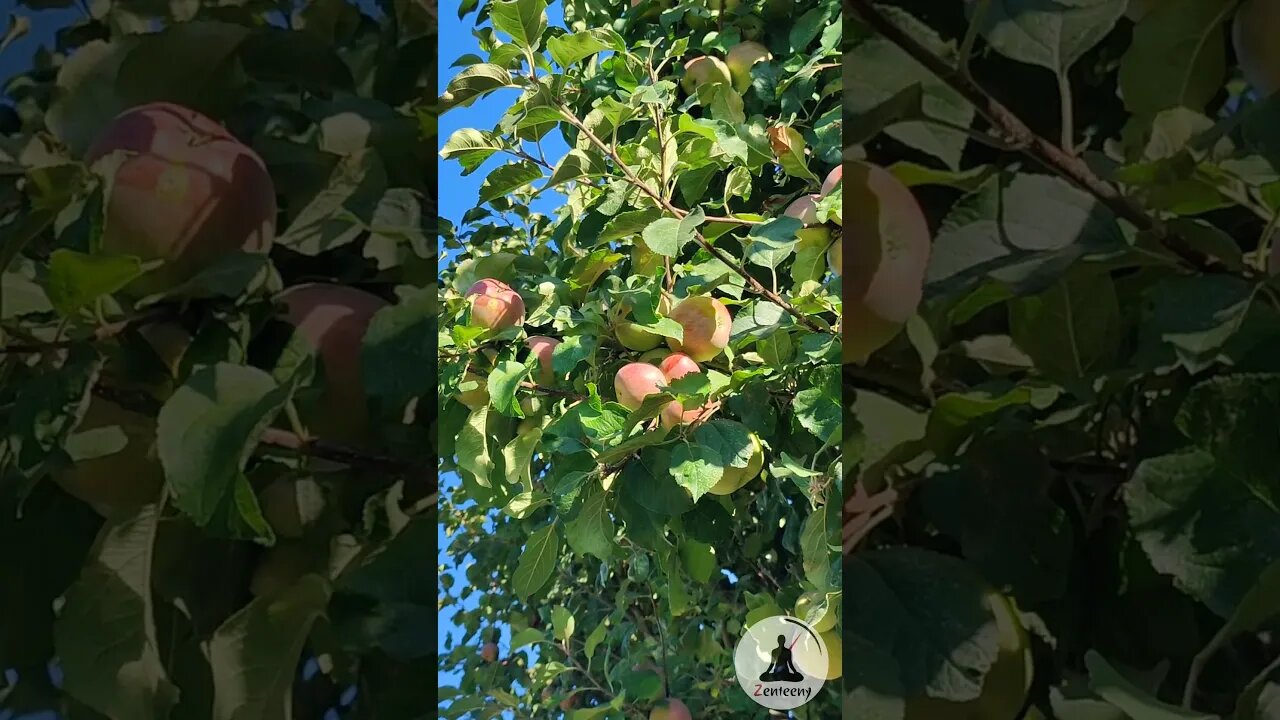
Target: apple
(673,414)
(735,477)
(1007,682)
(705,70)
(670,709)
(570,702)
(333,319)
(833,178)
(542,348)
(890,240)
(655,356)
(489,652)
(636,381)
(1256,50)
(677,365)
(706,322)
(805,605)
(804,209)
(495,305)
(279,504)
(185,192)
(835,256)
(125,480)
(741,58)
(475,398)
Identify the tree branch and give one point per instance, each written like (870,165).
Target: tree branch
(1056,159)
(754,285)
(102,333)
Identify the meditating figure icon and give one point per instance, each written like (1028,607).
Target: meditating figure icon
(782,669)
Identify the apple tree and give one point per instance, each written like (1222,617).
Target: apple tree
(215,335)
(1062,447)
(639,391)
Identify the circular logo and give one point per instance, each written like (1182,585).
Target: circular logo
(781,662)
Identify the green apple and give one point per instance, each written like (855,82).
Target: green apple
(741,58)
(735,477)
(705,70)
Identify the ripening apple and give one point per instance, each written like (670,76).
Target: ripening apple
(477,397)
(735,477)
(804,209)
(889,237)
(1007,682)
(677,365)
(670,709)
(674,414)
(741,58)
(1252,33)
(706,322)
(125,480)
(489,652)
(334,320)
(636,381)
(833,178)
(185,192)
(495,305)
(542,347)
(705,70)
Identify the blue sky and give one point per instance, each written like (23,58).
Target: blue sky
(458,193)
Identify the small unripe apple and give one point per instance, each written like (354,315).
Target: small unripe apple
(633,337)
(805,604)
(705,70)
(187,193)
(489,652)
(1253,34)
(495,305)
(890,240)
(804,209)
(542,348)
(477,397)
(741,58)
(677,365)
(636,381)
(833,179)
(735,477)
(706,322)
(670,709)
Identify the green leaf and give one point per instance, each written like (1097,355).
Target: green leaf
(562,623)
(77,280)
(473,447)
(397,354)
(1070,330)
(577,164)
(1195,317)
(1177,58)
(771,242)
(696,468)
(254,655)
(668,236)
(818,406)
(471,147)
(537,561)
(523,20)
(508,178)
(339,213)
(474,82)
(592,531)
(816,558)
(106,634)
(569,49)
(1053,37)
(208,429)
(596,637)
(1137,704)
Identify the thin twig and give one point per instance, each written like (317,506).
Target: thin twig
(1046,153)
(102,333)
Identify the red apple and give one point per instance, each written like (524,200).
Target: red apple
(636,381)
(670,709)
(804,209)
(334,319)
(489,652)
(186,193)
(833,179)
(542,348)
(495,305)
(677,365)
(706,322)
